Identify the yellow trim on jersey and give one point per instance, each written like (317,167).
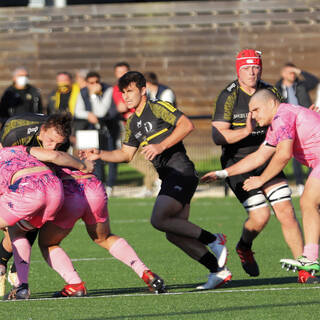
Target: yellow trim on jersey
(246,92)
(167,105)
(144,143)
(238,124)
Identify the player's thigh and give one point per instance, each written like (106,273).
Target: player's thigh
(311,192)
(50,234)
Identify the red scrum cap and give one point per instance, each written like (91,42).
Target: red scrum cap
(248,57)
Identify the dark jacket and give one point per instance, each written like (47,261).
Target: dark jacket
(15,101)
(301,87)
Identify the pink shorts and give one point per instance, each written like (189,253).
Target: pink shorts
(36,198)
(85,199)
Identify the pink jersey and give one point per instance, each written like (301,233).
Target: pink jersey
(34,196)
(300,125)
(85,198)
(13,159)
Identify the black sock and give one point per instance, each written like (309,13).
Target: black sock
(4,255)
(206,237)
(210,262)
(244,245)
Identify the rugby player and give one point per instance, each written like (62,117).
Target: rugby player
(85,198)
(31,194)
(159,128)
(293,131)
(232,128)
(36,130)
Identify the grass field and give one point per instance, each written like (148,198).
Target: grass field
(115,292)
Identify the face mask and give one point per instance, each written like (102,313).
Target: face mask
(63,87)
(21,81)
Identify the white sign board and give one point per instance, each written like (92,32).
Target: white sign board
(87,139)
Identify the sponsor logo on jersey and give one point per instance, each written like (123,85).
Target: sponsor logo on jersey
(232,85)
(32,130)
(178,188)
(139,124)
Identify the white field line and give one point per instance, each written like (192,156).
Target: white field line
(173,293)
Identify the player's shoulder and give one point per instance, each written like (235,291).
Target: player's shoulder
(155,104)
(230,90)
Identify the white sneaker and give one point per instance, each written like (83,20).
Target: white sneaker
(217,279)
(2,280)
(219,249)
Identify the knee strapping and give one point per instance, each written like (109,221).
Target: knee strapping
(279,194)
(255,202)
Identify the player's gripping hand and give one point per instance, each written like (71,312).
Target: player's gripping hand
(151,151)
(214,175)
(89,166)
(253,183)
(89,154)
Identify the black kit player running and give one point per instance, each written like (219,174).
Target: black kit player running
(159,128)
(177,172)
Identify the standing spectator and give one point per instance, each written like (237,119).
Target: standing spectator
(20,97)
(295,90)
(64,97)
(120,69)
(96,110)
(232,128)
(157,91)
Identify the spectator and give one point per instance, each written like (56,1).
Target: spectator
(64,97)
(120,69)
(295,90)
(81,77)
(157,91)
(95,110)
(20,97)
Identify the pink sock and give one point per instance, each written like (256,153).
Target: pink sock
(21,252)
(122,251)
(59,261)
(311,251)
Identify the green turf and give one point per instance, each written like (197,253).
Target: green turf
(115,292)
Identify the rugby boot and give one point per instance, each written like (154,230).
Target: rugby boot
(217,279)
(21,292)
(248,262)
(154,282)
(71,290)
(219,249)
(307,277)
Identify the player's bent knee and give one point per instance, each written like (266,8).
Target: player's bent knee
(279,194)
(255,202)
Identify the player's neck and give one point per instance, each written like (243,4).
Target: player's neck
(141,105)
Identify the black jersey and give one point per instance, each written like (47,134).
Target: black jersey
(232,106)
(24,130)
(156,122)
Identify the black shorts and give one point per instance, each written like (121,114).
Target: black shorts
(179,187)
(236,182)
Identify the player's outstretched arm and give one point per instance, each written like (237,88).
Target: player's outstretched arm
(61,158)
(280,159)
(183,127)
(247,164)
(125,154)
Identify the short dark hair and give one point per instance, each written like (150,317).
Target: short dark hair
(62,122)
(151,77)
(93,74)
(122,64)
(289,64)
(132,76)
(66,73)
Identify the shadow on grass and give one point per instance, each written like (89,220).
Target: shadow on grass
(256,282)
